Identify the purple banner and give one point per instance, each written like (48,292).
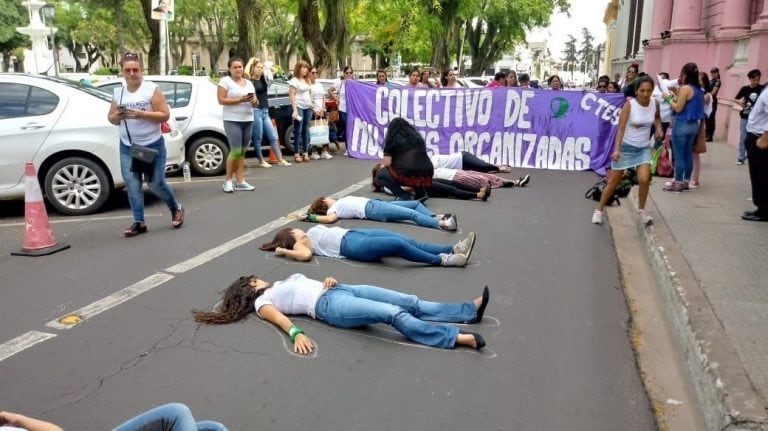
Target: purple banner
(566,130)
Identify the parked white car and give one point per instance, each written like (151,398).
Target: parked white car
(62,128)
(195,108)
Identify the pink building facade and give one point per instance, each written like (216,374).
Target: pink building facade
(729,34)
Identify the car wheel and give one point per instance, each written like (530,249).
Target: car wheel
(208,156)
(77,186)
(288,141)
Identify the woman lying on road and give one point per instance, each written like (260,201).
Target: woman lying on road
(439,189)
(478,179)
(366,245)
(467,161)
(347,306)
(328,210)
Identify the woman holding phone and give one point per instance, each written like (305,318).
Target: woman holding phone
(236,95)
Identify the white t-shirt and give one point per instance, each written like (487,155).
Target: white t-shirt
(318,96)
(444,174)
(303,93)
(666,110)
(326,241)
(242,111)
(637,133)
(451,161)
(349,207)
(143,132)
(341,94)
(295,295)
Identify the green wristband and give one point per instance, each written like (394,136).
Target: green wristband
(294,332)
(312,218)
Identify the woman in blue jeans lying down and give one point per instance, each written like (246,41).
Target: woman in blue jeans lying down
(329,210)
(366,245)
(168,417)
(347,306)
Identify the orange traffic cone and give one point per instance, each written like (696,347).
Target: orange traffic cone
(38,237)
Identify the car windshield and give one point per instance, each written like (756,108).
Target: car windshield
(93,91)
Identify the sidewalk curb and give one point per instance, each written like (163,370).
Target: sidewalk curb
(729,401)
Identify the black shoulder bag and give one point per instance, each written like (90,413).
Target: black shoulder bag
(142,158)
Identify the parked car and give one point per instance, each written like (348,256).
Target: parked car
(195,108)
(62,128)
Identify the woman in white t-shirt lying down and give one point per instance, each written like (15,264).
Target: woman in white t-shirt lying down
(329,210)
(347,306)
(467,161)
(366,245)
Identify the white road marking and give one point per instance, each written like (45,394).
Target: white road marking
(113,300)
(31,338)
(81,219)
(22,342)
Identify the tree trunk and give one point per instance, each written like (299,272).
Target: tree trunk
(335,32)
(310,29)
(250,17)
(119,24)
(154,33)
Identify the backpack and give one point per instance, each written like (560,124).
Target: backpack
(596,192)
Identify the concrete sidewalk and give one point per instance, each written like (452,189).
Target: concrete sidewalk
(713,272)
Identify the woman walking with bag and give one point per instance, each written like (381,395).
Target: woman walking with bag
(299,91)
(318,110)
(139,108)
(237,97)
(689,107)
(262,124)
(633,146)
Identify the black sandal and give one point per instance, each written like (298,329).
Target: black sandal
(135,229)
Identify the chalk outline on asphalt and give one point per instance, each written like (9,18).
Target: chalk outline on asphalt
(31,338)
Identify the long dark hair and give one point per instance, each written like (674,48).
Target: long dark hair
(690,75)
(237,301)
(283,238)
(318,206)
(704,80)
(374,182)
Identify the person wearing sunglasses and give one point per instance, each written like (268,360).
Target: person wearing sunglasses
(139,109)
(602,84)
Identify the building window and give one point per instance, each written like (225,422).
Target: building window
(740,53)
(635,23)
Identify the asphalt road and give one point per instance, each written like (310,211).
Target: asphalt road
(558,355)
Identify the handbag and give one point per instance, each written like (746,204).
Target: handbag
(143,154)
(700,147)
(655,159)
(142,158)
(318,132)
(596,193)
(664,167)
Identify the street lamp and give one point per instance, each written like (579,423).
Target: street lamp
(49,11)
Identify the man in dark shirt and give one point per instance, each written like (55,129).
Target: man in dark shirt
(714,88)
(747,96)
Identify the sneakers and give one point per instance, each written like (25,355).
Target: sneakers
(326,156)
(244,187)
(456,259)
(675,187)
(739,162)
(264,164)
(645,218)
(693,185)
(177,217)
(282,162)
(465,246)
(450,224)
(314,156)
(597,217)
(228,186)
(522,181)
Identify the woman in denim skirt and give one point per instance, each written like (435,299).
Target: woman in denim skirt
(633,146)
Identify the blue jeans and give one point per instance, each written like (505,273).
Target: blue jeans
(743,140)
(349,306)
(133,180)
(169,417)
(370,245)
(414,211)
(301,131)
(262,125)
(683,137)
